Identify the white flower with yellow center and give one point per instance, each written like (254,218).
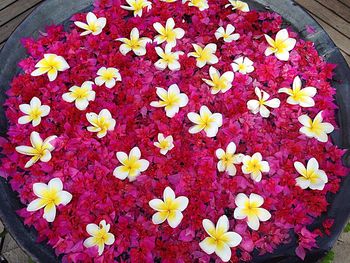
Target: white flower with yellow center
(50,65)
(311,176)
(34,112)
(204,55)
(100,236)
(107,76)
(227,34)
(49,196)
(132,166)
(170,208)
(201,4)
(255,166)
(172,100)
(299,96)
(250,209)
(169,1)
(81,95)
(220,240)
(136,43)
(281,46)
(218,82)
(238,5)
(137,6)
(260,105)
(168,59)
(315,128)
(93,24)
(206,121)
(228,159)
(165,144)
(243,65)
(40,150)
(101,123)
(168,33)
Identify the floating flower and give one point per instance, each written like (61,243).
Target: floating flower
(298,96)
(165,144)
(170,208)
(101,123)
(34,112)
(93,26)
(315,128)
(250,209)
(135,43)
(220,240)
(239,5)
(204,55)
(169,1)
(201,4)
(108,76)
(243,65)
(228,159)
(81,95)
(132,166)
(168,59)
(40,150)
(168,33)
(100,236)
(255,166)
(219,83)
(227,34)
(137,6)
(206,121)
(172,100)
(311,176)
(281,46)
(260,105)
(49,196)
(50,65)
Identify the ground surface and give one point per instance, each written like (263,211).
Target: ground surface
(333,16)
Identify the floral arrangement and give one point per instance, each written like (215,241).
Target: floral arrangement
(172,131)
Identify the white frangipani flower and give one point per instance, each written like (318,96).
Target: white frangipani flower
(200,4)
(81,95)
(255,166)
(136,43)
(281,46)
(311,176)
(227,34)
(50,65)
(238,5)
(250,209)
(220,240)
(40,150)
(168,33)
(218,82)
(137,6)
(93,24)
(315,128)
(204,55)
(228,159)
(99,236)
(168,59)
(172,100)
(101,123)
(34,112)
(260,105)
(243,65)
(165,144)
(132,165)
(49,196)
(107,76)
(205,120)
(170,208)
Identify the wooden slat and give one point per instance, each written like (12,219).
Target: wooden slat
(326,15)
(5,3)
(16,9)
(8,28)
(345,2)
(1,45)
(337,7)
(346,56)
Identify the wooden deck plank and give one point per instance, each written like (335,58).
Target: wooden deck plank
(326,15)
(5,3)
(346,56)
(337,7)
(16,9)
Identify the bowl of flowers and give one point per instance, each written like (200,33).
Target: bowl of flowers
(174,131)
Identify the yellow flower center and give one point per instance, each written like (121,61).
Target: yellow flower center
(227,159)
(280,46)
(315,127)
(103,124)
(219,83)
(108,75)
(169,34)
(169,57)
(81,93)
(35,113)
(138,5)
(198,3)
(50,197)
(132,164)
(254,166)
(93,27)
(52,63)
(241,67)
(134,43)
(164,144)
(101,236)
(250,209)
(172,100)
(203,54)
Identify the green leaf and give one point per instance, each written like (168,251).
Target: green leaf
(328,258)
(347,228)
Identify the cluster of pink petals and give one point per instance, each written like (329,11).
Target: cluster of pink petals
(85,163)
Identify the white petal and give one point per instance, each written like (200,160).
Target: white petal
(233,239)
(253,222)
(219,153)
(222,225)
(241,200)
(65,197)
(182,202)
(159,218)
(263,214)
(302,182)
(156,204)
(174,218)
(209,227)
(49,213)
(255,199)
(120,173)
(89,242)
(35,205)
(92,229)
(208,245)
(24,119)
(135,153)
(168,194)
(39,189)
(312,165)
(55,184)
(223,251)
